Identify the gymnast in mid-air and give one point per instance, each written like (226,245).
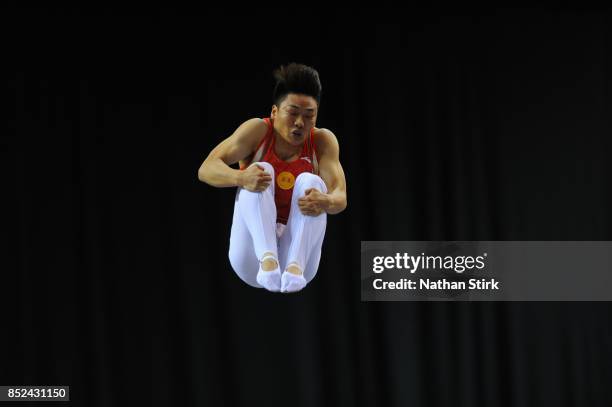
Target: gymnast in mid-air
(289,179)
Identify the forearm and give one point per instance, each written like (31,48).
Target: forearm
(216,173)
(336,202)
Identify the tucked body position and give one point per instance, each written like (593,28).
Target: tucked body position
(289,179)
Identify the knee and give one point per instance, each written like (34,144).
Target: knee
(308,180)
(267,167)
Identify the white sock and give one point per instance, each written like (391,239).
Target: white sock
(270,280)
(291,283)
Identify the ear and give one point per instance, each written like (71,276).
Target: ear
(274,112)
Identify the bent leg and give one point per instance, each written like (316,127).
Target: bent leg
(258,212)
(241,253)
(302,241)
(253,230)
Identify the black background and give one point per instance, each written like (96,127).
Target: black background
(480,125)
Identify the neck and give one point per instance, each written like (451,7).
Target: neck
(284,150)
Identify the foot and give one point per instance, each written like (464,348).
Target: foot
(292,279)
(269,275)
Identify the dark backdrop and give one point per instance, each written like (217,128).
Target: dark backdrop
(452,126)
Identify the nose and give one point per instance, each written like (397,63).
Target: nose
(299,122)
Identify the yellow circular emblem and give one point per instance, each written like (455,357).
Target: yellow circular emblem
(285,180)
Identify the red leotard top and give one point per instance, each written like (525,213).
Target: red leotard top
(284,171)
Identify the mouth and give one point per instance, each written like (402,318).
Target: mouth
(296,134)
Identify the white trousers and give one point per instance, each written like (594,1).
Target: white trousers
(255,232)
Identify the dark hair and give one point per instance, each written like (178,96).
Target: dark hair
(296,78)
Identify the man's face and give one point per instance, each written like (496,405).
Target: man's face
(295,117)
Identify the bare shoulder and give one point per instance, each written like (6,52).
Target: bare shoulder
(325,140)
(248,136)
(242,142)
(252,130)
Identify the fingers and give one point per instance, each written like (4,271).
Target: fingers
(259,180)
(261,173)
(307,197)
(306,200)
(259,170)
(262,185)
(309,208)
(309,190)
(264,176)
(310,212)
(262,179)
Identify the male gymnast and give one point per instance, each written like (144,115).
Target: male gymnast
(290,178)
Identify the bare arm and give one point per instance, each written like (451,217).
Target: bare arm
(332,173)
(330,170)
(216,170)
